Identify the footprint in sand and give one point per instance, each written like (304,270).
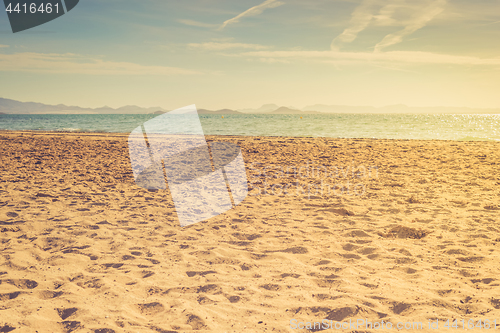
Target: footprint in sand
(399,308)
(49,294)
(92,283)
(146,274)
(495,303)
(70,326)
(202,300)
(196,322)
(485,281)
(192,273)
(342,313)
(113,265)
(150,308)
(6,328)
(357,233)
(103,330)
(285,275)
(350,247)
(65,313)
(211,289)
(6,297)
(271,287)
(367,250)
(233,299)
(335,314)
(22,283)
(128,257)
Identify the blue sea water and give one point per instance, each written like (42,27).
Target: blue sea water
(467,127)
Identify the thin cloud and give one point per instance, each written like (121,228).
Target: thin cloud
(360,19)
(77,64)
(256,10)
(218,46)
(490,23)
(420,21)
(392,57)
(197,24)
(4,45)
(410,14)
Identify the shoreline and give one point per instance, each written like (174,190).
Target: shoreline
(121,134)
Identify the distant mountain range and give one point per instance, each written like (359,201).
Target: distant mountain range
(285,110)
(9,106)
(263,109)
(223,111)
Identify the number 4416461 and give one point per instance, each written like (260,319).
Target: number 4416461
(471,324)
(33,8)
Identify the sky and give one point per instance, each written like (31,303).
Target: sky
(242,54)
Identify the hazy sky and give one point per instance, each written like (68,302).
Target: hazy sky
(239,54)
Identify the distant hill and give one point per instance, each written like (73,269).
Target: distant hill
(223,111)
(285,110)
(264,108)
(133,109)
(204,111)
(9,106)
(340,109)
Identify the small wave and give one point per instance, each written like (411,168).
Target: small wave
(70,129)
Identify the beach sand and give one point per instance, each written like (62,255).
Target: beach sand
(409,233)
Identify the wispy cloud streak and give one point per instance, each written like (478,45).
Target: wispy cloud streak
(392,57)
(197,24)
(256,10)
(420,21)
(360,19)
(217,46)
(77,64)
(413,15)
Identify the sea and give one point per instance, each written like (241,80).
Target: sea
(458,127)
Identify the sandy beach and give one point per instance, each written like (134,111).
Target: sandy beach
(332,229)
